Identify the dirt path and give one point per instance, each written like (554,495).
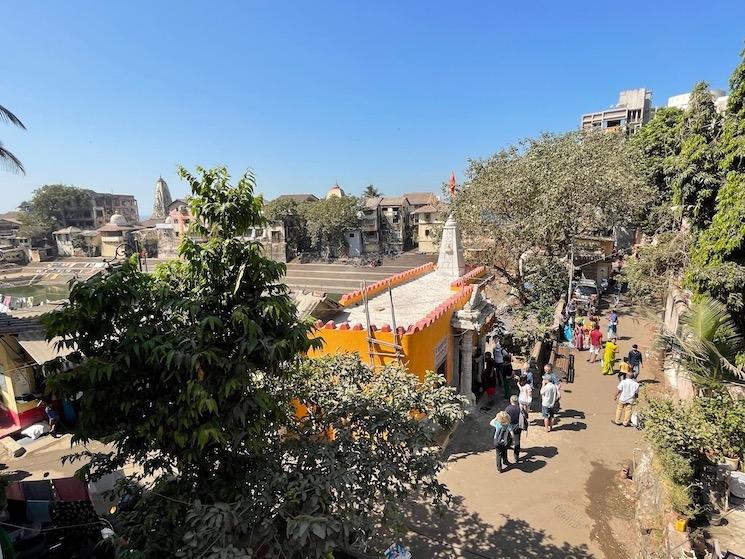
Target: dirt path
(566,499)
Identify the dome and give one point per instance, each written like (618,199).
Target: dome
(118,219)
(335,191)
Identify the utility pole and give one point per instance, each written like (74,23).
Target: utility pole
(571,269)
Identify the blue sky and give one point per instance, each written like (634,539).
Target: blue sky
(307,93)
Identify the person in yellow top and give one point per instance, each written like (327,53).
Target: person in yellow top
(609,356)
(624,369)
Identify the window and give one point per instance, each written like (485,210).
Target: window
(276,237)
(426,217)
(426,232)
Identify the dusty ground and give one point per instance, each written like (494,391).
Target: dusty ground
(565,499)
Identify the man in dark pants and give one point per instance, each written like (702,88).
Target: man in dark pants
(513,410)
(636,360)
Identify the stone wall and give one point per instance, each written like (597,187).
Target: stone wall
(653,519)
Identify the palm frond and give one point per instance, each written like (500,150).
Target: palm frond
(708,342)
(10,118)
(10,162)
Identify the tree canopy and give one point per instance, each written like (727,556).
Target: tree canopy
(329,220)
(197,374)
(718,256)
(50,208)
(287,211)
(697,174)
(371,192)
(538,195)
(658,142)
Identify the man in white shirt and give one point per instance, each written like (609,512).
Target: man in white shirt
(627,392)
(549,395)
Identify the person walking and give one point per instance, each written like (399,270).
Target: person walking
(498,359)
(596,341)
(627,392)
(613,324)
(549,397)
(489,378)
(609,356)
(624,369)
(636,360)
(506,373)
(518,424)
(502,437)
(525,396)
(579,337)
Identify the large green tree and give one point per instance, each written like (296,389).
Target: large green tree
(371,192)
(51,207)
(697,173)
(287,211)
(7,159)
(537,196)
(718,257)
(659,143)
(329,220)
(193,373)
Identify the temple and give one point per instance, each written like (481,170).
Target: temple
(429,318)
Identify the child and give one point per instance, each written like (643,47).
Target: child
(624,369)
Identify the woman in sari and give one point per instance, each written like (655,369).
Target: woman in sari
(579,337)
(609,356)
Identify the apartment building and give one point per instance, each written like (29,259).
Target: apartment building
(633,110)
(418,200)
(394,223)
(681,101)
(371,225)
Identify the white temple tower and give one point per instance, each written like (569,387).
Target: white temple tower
(162,200)
(451,263)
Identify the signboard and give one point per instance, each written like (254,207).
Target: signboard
(441,352)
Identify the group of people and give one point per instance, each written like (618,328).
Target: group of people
(497,370)
(513,421)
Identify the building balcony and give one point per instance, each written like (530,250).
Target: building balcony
(369,225)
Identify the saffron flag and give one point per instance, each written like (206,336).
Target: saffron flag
(452,183)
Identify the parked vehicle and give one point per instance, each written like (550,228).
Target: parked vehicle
(584,291)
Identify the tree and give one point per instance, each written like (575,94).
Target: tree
(329,220)
(708,344)
(370,192)
(287,211)
(50,208)
(196,374)
(540,194)
(659,143)
(650,271)
(718,256)
(697,173)
(7,159)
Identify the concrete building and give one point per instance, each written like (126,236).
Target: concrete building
(394,223)
(719,96)
(162,200)
(114,233)
(593,256)
(429,220)
(371,225)
(634,109)
(66,240)
(107,205)
(418,200)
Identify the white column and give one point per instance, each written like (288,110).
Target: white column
(466,367)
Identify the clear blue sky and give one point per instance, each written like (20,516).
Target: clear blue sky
(393,93)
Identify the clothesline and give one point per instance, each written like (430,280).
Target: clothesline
(10,303)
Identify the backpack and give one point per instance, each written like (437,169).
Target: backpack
(503,437)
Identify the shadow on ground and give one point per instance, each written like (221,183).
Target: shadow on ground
(457,532)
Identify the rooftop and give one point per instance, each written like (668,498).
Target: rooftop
(412,301)
(393,201)
(420,198)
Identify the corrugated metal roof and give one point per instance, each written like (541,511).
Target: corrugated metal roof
(39,348)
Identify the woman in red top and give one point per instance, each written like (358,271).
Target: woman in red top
(596,342)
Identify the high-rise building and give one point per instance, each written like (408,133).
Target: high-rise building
(681,101)
(634,109)
(162,200)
